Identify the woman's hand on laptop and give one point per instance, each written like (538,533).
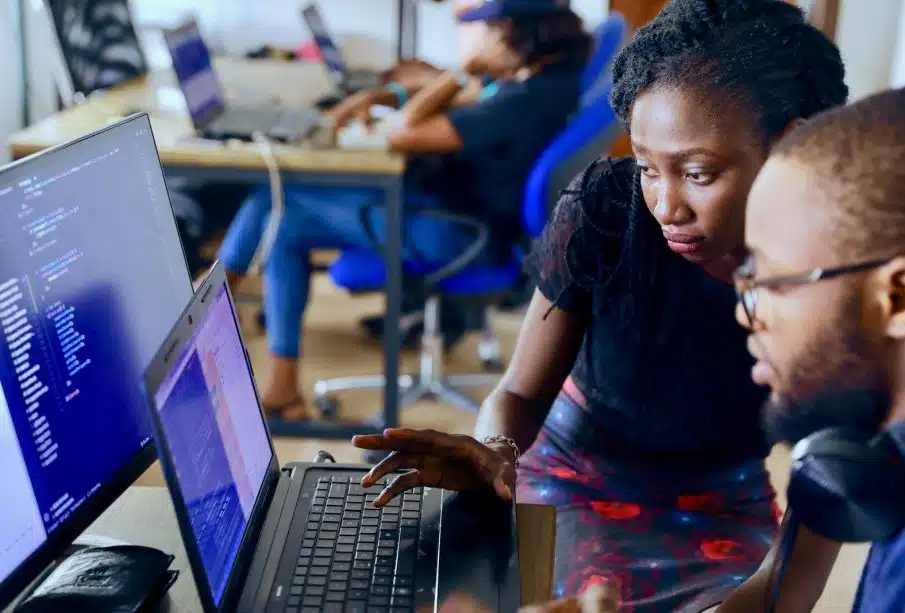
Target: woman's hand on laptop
(437,459)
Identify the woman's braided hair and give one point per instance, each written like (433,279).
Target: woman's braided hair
(760,53)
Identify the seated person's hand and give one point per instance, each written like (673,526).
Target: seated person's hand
(436,459)
(596,599)
(411,74)
(356,107)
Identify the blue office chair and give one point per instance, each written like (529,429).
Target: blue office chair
(590,132)
(609,37)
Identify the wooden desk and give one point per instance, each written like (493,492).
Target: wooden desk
(144,516)
(248,82)
(193,161)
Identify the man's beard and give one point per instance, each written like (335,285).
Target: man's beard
(859,409)
(836,383)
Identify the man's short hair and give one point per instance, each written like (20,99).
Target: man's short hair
(857,154)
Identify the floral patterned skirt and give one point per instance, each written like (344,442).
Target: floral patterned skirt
(669,540)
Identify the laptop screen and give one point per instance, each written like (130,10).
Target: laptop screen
(333,57)
(195,71)
(218,445)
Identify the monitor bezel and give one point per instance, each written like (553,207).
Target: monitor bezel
(156,373)
(35,564)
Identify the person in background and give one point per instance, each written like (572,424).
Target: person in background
(823,296)
(629,388)
(472,157)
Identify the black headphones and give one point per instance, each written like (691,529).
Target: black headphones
(850,487)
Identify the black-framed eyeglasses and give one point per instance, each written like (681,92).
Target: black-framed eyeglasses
(747,283)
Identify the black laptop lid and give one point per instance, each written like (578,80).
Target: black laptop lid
(194,70)
(333,57)
(213,441)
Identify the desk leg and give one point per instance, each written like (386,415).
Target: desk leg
(391,342)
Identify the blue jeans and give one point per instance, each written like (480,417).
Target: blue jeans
(325,218)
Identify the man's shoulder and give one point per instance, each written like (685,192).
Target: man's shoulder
(882,588)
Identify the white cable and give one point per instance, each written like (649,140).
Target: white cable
(262,253)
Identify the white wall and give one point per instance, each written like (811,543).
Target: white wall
(867,34)
(898,68)
(11,95)
(239,25)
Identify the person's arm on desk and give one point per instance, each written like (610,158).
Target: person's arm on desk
(544,354)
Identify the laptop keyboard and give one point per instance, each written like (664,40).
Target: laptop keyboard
(355,558)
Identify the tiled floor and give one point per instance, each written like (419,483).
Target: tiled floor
(334,346)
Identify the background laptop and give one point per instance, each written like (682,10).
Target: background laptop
(346,79)
(210,114)
(303,538)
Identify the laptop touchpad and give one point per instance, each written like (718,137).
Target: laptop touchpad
(478,561)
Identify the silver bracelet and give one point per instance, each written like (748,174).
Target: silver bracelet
(499,438)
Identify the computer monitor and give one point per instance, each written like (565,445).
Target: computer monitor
(195,72)
(92,277)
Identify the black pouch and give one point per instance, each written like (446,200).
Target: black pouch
(119,579)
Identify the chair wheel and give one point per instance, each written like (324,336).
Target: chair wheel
(493,365)
(373,456)
(328,407)
(262,320)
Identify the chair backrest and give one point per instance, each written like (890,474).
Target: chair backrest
(608,40)
(98,42)
(589,134)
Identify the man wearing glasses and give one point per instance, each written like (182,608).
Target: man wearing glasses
(823,294)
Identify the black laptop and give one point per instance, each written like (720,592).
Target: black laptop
(210,113)
(305,537)
(346,79)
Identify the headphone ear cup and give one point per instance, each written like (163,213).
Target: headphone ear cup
(846,488)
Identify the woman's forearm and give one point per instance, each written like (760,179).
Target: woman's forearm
(507,414)
(432,99)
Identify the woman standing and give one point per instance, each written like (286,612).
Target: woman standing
(630,386)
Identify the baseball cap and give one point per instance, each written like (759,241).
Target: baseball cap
(499,9)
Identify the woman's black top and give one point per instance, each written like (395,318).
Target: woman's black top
(663,368)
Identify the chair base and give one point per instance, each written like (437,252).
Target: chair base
(430,383)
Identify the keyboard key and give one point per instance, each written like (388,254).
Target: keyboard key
(298,581)
(332,517)
(368,529)
(317,508)
(332,607)
(318,571)
(386,543)
(364,555)
(359,584)
(361,574)
(312,601)
(372,608)
(336,596)
(320,561)
(399,580)
(310,534)
(338,490)
(356,606)
(342,567)
(348,532)
(358,595)
(362,565)
(365,546)
(402,591)
(379,601)
(317,581)
(342,557)
(346,540)
(345,548)
(411,506)
(389,525)
(388,534)
(409,523)
(323,551)
(367,538)
(401,602)
(382,580)
(295,590)
(315,590)
(380,590)
(410,515)
(294,601)
(386,551)
(384,569)
(337,586)
(354,516)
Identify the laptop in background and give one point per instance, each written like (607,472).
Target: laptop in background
(210,113)
(346,79)
(303,538)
